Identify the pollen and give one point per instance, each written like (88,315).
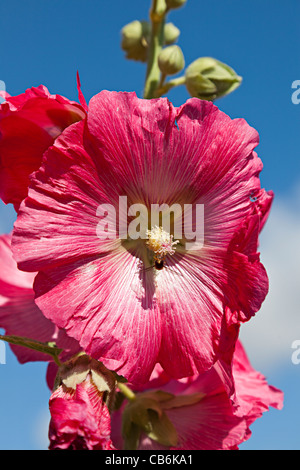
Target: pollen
(160,242)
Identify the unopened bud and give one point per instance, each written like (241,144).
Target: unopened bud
(171,60)
(135,39)
(171,33)
(209,79)
(80,405)
(175,3)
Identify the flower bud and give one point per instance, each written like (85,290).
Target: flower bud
(80,406)
(171,33)
(209,79)
(175,3)
(171,60)
(135,38)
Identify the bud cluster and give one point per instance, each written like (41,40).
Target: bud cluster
(135,38)
(205,78)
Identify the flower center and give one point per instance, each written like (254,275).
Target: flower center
(160,243)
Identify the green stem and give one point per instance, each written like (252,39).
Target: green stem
(157,17)
(127,392)
(165,87)
(46,348)
(161,82)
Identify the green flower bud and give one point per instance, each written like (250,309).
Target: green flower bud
(171,60)
(175,3)
(209,79)
(135,39)
(171,33)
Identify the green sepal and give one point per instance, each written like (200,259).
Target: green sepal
(163,430)
(146,413)
(132,438)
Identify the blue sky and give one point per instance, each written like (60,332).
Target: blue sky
(47,42)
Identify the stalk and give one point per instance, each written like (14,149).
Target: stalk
(157,18)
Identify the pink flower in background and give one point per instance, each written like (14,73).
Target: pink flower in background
(29,124)
(76,423)
(20,316)
(105,293)
(80,418)
(201,411)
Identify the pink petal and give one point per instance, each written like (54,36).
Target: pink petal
(19,315)
(29,124)
(97,303)
(254,394)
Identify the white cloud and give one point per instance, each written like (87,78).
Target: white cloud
(39,429)
(268,337)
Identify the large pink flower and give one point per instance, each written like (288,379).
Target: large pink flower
(201,412)
(29,124)
(105,292)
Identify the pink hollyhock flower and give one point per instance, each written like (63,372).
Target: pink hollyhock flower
(200,410)
(134,303)
(80,418)
(20,316)
(29,124)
